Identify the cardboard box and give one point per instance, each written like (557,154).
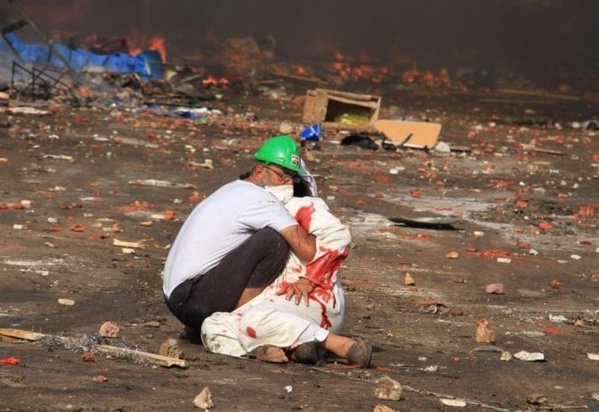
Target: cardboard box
(349,109)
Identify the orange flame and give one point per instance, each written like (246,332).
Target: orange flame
(157,43)
(346,68)
(214,81)
(427,77)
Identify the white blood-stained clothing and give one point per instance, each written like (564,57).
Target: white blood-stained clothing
(219,224)
(270,318)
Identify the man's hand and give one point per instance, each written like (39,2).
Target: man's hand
(300,290)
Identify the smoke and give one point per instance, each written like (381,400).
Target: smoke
(538,38)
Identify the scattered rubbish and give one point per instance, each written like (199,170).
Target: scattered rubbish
(132,354)
(529,356)
(312,133)
(350,109)
(494,288)
(27,110)
(555,284)
(409,280)
(382,408)
(204,399)
(504,260)
(67,158)
(88,357)
(536,399)
(483,333)
(101,378)
(505,356)
(387,388)
(361,140)
(288,389)
(442,147)
(460,403)
(10,361)
(145,356)
(161,183)
(135,245)
(66,302)
(417,135)
(558,318)
(440,223)
(432,307)
(593,356)
(109,330)
(452,255)
(206,164)
(170,348)
(488,348)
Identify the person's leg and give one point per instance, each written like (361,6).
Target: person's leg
(241,275)
(356,350)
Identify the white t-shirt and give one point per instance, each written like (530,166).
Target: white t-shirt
(219,224)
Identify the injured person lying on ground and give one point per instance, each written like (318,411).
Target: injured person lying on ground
(300,315)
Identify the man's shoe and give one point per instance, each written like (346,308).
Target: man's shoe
(307,352)
(360,353)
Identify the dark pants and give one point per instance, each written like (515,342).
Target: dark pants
(255,263)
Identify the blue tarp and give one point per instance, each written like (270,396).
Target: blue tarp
(144,64)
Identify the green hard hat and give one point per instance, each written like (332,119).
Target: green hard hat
(281,151)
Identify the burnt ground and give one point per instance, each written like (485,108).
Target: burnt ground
(68,191)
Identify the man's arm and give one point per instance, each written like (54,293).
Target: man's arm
(300,242)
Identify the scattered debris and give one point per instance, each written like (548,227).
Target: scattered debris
(483,333)
(453,402)
(125,353)
(66,302)
(10,361)
(135,245)
(536,399)
(494,288)
(452,255)
(204,399)
(409,280)
(88,357)
(440,223)
(162,183)
(109,330)
(382,408)
(170,348)
(529,356)
(387,388)
(417,135)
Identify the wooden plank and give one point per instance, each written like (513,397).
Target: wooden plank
(409,134)
(21,334)
(150,357)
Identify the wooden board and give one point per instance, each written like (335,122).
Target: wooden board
(418,135)
(21,334)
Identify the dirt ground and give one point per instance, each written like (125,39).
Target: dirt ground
(76,180)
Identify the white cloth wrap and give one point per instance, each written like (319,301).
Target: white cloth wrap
(269,318)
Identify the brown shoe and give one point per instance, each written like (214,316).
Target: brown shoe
(272,354)
(360,353)
(307,352)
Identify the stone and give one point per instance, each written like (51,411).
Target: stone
(387,388)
